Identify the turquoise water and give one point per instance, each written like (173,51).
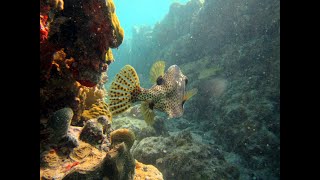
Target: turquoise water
(133,13)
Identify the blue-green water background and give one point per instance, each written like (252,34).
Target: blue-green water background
(134,14)
(141,12)
(230,52)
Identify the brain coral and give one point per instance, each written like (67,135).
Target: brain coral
(122,135)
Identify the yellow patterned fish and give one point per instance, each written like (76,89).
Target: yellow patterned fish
(168,94)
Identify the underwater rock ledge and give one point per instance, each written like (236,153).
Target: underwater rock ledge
(181,157)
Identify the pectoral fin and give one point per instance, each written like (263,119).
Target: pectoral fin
(147,112)
(190,93)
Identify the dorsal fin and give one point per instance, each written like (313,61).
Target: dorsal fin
(157,70)
(124,89)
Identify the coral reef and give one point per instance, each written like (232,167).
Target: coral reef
(117,31)
(122,135)
(119,164)
(92,132)
(144,172)
(133,119)
(181,157)
(230,51)
(75,122)
(86,162)
(99,109)
(75,53)
(89,162)
(81,152)
(94,95)
(86,31)
(50,159)
(139,126)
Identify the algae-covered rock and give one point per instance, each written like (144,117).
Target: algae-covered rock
(180,157)
(81,152)
(50,159)
(138,126)
(119,163)
(89,162)
(68,142)
(95,132)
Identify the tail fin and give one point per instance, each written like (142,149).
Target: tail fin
(124,90)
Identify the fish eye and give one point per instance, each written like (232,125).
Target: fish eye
(160,80)
(186,81)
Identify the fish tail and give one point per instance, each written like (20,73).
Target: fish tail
(124,90)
